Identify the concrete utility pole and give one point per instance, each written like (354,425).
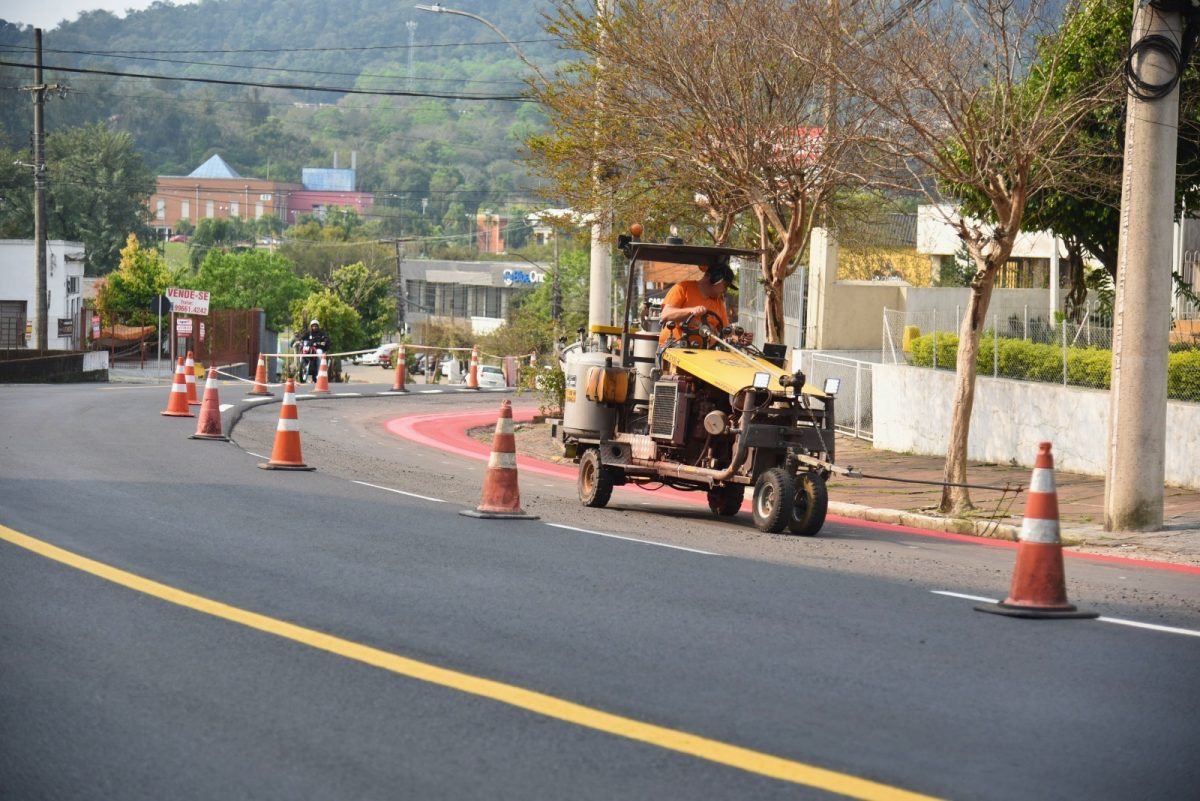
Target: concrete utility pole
(600,264)
(1133,490)
(41,303)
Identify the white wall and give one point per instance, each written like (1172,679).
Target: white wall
(18,259)
(912,414)
(936,236)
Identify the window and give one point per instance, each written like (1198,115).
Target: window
(160,210)
(72,284)
(208,208)
(258,211)
(185,210)
(233,208)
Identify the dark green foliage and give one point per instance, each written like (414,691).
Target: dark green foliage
(1034,361)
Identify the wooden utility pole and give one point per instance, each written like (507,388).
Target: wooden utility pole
(1133,489)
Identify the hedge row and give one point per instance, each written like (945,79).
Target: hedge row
(1033,361)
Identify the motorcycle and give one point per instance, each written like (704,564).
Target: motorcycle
(309,361)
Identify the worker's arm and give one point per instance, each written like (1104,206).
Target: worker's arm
(676,314)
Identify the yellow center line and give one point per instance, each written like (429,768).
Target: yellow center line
(539,703)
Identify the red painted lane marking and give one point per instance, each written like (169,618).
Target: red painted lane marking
(447,431)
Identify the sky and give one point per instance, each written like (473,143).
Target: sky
(46,14)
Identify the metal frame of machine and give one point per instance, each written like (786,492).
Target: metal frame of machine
(703,413)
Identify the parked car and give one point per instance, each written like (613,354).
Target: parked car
(491,376)
(178,238)
(380,354)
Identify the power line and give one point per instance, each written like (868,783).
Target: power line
(294,87)
(303,49)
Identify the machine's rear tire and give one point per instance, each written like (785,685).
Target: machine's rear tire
(726,501)
(809,506)
(595,480)
(773,497)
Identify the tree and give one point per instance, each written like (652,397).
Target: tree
(98,192)
(967,104)
(369,293)
(214,235)
(337,318)
(254,279)
(141,277)
(701,104)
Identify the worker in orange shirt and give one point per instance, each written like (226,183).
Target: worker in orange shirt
(694,299)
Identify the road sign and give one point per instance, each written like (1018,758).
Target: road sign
(161,305)
(183,326)
(188,301)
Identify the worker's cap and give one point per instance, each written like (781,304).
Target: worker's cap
(721,272)
(317,323)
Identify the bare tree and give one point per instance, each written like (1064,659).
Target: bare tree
(700,104)
(969,104)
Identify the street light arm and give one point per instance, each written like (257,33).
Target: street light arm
(437,8)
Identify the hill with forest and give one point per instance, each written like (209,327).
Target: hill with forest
(430,105)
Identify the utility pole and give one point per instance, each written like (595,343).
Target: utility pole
(39,89)
(412,35)
(1133,489)
(600,263)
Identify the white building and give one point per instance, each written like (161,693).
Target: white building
(1032,264)
(18,304)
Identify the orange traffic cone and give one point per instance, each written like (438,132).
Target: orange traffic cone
(473,371)
(260,379)
(285,455)
(322,385)
(501,495)
(208,425)
(189,375)
(177,402)
(401,370)
(1039,587)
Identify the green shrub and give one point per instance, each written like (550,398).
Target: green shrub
(1034,361)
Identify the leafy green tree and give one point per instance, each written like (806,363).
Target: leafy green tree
(337,317)
(254,279)
(97,192)
(141,277)
(215,235)
(368,292)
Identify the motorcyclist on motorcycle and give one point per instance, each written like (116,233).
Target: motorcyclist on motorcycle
(314,340)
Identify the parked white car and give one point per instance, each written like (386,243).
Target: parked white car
(491,376)
(377,356)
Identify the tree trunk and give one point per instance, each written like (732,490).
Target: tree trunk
(956,499)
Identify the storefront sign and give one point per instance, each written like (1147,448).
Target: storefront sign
(523,277)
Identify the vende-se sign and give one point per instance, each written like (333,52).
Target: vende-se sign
(188,301)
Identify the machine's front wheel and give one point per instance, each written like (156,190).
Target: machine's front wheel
(810,505)
(595,480)
(773,497)
(726,501)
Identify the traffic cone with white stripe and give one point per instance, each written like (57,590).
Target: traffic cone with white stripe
(401,370)
(208,425)
(177,403)
(285,455)
(473,371)
(189,375)
(260,378)
(322,385)
(1039,587)
(501,495)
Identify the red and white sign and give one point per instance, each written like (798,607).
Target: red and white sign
(201,330)
(183,326)
(95,326)
(188,301)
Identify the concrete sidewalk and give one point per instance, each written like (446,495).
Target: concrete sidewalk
(998,514)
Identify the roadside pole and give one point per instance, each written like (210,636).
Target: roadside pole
(1133,487)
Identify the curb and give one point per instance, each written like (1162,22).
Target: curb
(984,529)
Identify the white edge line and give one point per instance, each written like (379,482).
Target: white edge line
(1117,620)
(632,539)
(258,455)
(966,597)
(1151,626)
(255,400)
(224,407)
(399,492)
(430,391)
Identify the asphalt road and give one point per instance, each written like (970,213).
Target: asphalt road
(209,629)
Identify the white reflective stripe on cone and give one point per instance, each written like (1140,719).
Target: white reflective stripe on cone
(503,460)
(287,425)
(504,425)
(1037,530)
(1042,480)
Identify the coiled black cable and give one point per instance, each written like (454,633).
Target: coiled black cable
(1145,90)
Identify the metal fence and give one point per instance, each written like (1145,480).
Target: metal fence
(1018,347)
(854,410)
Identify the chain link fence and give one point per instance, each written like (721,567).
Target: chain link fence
(1032,349)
